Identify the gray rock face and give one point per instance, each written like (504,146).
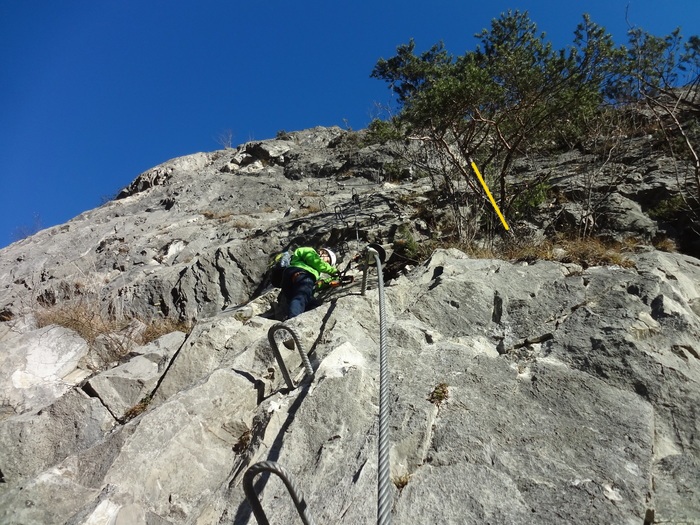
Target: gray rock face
(125,386)
(519,393)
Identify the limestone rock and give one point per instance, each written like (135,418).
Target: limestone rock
(123,387)
(32,443)
(37,366)
(522,391)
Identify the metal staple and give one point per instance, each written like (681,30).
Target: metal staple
(278,356)
(274,468)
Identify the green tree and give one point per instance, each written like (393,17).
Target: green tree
(497,102)
(663,73)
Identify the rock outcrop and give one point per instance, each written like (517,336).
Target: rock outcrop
(521,392)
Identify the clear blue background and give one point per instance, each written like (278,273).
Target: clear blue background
(94,92)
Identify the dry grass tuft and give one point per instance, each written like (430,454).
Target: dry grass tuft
(80,317)
(401,481)
(584,252)
(594,252)
(243,442)
(242,223)
(228,216)
(108,338)
(665,245)
(137,409)
(159,327)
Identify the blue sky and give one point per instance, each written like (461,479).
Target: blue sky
(94,92)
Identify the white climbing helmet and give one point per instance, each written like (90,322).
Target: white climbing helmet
(331,254)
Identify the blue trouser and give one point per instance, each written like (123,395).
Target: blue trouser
(298,289)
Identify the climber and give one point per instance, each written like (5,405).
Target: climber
(303,276)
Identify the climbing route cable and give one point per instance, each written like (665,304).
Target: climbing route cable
(384,502)
(383,478)
(355,207)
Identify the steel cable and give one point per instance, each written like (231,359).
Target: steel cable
(383,471)
(384,492)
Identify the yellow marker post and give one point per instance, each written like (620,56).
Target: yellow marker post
(488,193)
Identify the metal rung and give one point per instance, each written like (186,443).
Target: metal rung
(278,356)
(250,494)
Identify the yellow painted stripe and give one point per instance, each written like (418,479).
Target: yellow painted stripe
(488,193)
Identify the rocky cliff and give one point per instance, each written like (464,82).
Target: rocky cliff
(139,380)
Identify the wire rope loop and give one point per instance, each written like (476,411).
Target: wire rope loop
(294,492)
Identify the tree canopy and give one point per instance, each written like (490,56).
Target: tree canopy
(514,94)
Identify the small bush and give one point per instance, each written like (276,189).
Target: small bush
(439,394)
(396,172)
(405,244)
(527,202)
(668,209)
(382,131)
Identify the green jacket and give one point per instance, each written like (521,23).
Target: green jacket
(308,259)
